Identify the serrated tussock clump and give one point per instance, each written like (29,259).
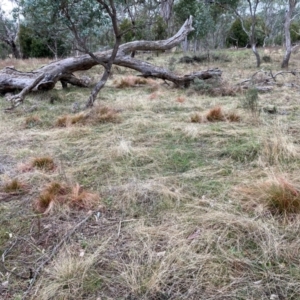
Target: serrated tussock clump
(215,114)
(277,195)
(43,163)
(13,186)
(60,194)
(98,114)
(32,121)
(131,81)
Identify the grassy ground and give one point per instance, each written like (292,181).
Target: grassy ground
(186,210)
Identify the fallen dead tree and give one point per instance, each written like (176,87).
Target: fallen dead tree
(46,78)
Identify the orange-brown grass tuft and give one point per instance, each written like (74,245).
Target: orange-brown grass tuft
(56,194)
(233,117)
(276,195)
(51,193)
(43,163)
(98,114)
(69,120)
(153,95)
(32,121)
(61,121)
(215,115)
(282,197)
(131,81)
(81,198)
(180,99)
(14,186)
(103,114)
(196,118)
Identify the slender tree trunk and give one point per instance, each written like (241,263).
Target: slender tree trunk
(15,50)
(111,10)
(252,37)
(254,50)
(287,34)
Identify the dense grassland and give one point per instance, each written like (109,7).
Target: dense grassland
(157,193)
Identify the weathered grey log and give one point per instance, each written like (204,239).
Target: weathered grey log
(12,80)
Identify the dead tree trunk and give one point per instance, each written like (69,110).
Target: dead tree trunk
(48,76)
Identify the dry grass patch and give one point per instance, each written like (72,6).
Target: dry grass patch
(71,276)
(202,256)
(278,147)
(57,194)
(131,81)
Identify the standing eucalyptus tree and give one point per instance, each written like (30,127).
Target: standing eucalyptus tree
(289,14)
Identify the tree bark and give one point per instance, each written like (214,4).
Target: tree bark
(62,70)
(287,34)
